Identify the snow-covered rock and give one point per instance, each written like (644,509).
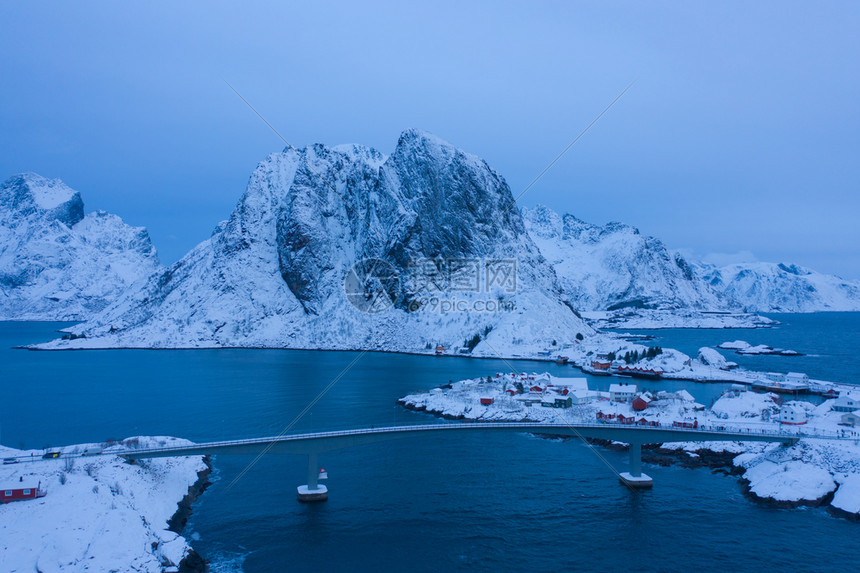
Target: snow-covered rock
(847,497)
(792,481)
(737,405)
(613,266)
(778,287)
(56,263)
(281,271)
(100,513)
(710,357)
(735,345)
(744,347)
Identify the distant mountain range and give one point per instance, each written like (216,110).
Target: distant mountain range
(58,264)
(344,247)
(778,287)
(615,267)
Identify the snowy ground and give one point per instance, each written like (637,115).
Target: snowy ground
(100,513)
(807,472)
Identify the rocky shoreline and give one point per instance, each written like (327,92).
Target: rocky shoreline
(193,561)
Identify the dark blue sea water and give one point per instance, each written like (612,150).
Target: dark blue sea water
(495,502)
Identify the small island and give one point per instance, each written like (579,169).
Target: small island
(745,348)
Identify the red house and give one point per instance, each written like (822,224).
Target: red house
(20,491)
(486,401)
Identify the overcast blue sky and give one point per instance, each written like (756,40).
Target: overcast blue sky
(741,134)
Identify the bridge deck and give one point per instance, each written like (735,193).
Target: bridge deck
(333,440)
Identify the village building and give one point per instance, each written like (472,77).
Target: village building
(601,365)
(685,396)
(797,378)
(851,418)
(846,402)
(551,400)
(570,384)
(622,392)
(580,397)
(793,414)
(20,491)
(528,400)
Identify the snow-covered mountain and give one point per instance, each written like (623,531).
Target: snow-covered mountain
(447,260)
(56,263)
(614,267)
(778,287)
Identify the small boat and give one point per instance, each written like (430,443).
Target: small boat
(323,474)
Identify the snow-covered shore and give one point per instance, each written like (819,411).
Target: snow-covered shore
(811,472)
(655,319)
(708,366)
(100,513)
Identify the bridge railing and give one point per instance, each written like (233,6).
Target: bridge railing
(728,431)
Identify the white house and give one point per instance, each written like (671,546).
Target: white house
(775,376)
(571,384)
(528,400)
(847,402)
(584,396)
(791,413)
(851,418)
(685,396)
(797,378)
(622,392)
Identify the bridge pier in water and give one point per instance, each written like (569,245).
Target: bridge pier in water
(313,490)
(635,478)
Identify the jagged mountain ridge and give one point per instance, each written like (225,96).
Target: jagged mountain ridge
(613,266)
(57,263)
(273,274)
(780,287)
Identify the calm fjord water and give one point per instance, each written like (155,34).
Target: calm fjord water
(493,502)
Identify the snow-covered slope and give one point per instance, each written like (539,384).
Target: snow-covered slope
(772,287)
(438,222)
(56,263)
(614,266)
(100,513)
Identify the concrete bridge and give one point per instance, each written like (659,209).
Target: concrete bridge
(315,443)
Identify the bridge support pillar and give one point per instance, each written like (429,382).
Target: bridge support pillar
(313,490)
(635,477)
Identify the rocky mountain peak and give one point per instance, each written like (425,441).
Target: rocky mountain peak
(31,195)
